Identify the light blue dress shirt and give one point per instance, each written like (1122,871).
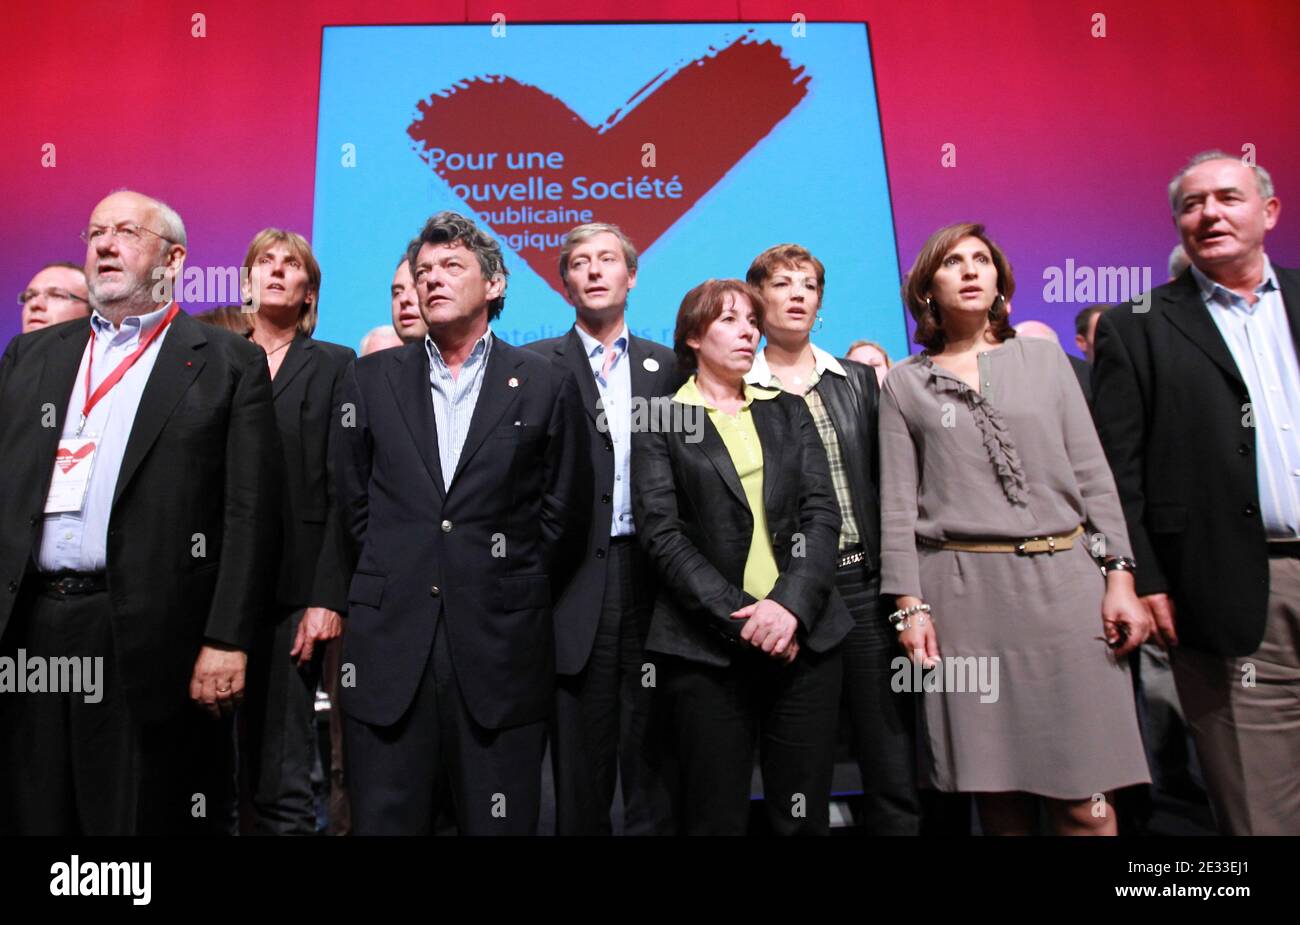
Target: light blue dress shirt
(616,402)
(78,540)
(454,399)
(1259,338)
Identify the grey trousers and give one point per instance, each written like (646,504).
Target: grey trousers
(1244,714)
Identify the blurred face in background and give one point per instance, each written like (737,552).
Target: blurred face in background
(55,295)
(870,356)
(407,321)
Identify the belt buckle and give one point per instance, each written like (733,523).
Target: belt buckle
(1049,540)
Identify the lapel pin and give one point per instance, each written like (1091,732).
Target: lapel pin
(651,364)
(512,382)
(189,362)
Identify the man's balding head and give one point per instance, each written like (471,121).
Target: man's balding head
(133,243)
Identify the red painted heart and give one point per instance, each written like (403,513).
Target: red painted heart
(65,459)
(478,136)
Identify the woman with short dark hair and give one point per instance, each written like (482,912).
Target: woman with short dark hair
(998,507)
(844,399)
(737,513)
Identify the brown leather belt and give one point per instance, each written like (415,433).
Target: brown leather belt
(1028,547)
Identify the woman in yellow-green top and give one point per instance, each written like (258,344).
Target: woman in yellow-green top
(733,501)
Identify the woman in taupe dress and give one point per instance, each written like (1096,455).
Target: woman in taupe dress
(998,509)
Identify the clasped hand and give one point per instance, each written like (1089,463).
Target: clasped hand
(769,627)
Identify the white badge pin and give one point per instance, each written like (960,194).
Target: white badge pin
(651,364)
(512,382)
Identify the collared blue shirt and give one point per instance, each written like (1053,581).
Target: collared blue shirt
(1259,338)
(454,399)
(616,403)
(78,540)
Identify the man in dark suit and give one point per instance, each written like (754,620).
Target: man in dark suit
(602,707)
(1197,402)
(135,528)
(463,480)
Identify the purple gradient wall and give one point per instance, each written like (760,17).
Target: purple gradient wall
(1064,141)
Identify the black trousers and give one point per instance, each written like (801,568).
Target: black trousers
(394,772)
(280,713)
(884,722)
(718,716)
(90,768)
(599,733)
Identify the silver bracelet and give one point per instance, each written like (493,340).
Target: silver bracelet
(1118,564)
(898,617)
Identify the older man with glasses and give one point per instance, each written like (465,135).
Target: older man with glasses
(57,293)
(139,518)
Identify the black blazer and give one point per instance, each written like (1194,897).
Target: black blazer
(307,392)
(1082,372)
(693,521)
(853,403)
(480,556)
(1169,402)
(577,611)
(200,460)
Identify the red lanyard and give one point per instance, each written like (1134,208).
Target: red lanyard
(112,379)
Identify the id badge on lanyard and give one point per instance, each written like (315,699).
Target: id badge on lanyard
(70,483)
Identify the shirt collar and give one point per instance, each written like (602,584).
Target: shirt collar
(689,394)
(133,326)
(1212,291)
(761,374)
(480,350)
(590,344)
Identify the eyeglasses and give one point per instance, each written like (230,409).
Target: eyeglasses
(53,295)
(130,233)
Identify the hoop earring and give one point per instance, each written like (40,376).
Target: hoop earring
(998,299)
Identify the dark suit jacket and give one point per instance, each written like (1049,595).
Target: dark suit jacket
(307,392)
(200,460)
(693,521)
(1082,372)
(577,611)
(1169,402)
(480,556)
(853,404)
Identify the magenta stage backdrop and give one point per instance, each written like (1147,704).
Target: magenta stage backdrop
(1056,123)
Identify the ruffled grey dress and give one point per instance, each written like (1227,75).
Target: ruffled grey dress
(1030,697)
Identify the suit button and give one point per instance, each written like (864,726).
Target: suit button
(434,591)
(604,499)
(1250,510)
(13,587)
(600,553)
(446,526)
(1244,449)
(34,520)
(609,445)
